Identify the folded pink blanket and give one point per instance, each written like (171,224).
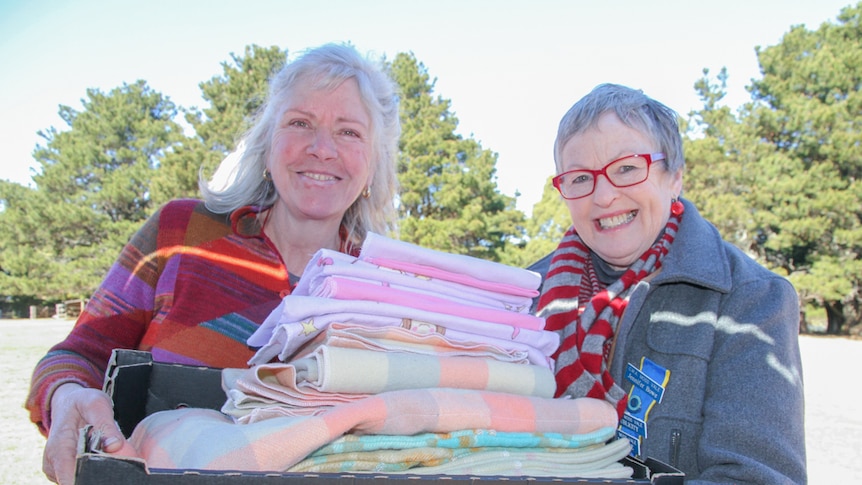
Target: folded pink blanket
(327,263)
(350,289)
(376,246)
(438,274)
(205,439)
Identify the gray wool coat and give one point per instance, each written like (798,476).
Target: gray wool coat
(727,329)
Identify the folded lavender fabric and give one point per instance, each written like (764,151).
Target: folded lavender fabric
(299,319)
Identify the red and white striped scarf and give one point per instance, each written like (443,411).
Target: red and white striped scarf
(586,314)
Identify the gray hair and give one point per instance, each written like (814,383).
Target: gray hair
(633,108)
(239,179)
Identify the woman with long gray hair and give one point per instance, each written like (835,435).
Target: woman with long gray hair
(316,170)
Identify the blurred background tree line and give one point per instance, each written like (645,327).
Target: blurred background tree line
(779,176)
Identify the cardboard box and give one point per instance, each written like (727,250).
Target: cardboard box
(140,387)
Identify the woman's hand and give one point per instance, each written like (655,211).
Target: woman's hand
(73,407)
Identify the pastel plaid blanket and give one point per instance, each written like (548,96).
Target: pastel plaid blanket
(349,362)
(205,439)
(333,375)
(357,371)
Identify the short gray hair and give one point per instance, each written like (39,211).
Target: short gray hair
(633,108)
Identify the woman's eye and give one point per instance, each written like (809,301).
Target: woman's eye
(581,179)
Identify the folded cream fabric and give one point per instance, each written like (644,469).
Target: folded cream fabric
(402,339)
(349,362)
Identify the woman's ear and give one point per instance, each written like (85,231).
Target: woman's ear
(676,181)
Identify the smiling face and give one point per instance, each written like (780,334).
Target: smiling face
(320,154)
(618,224)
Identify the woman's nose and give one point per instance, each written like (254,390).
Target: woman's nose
(323,145)
(605,191)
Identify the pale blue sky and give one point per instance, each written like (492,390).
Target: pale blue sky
(510,69)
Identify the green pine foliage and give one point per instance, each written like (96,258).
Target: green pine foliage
(778,176)
(92,192)
(233,98)
(449,198)
(809,107)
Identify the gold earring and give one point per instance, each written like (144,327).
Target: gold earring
(367,192)
(267,175)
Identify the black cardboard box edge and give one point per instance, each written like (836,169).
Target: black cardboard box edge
(94,469)
(139,387)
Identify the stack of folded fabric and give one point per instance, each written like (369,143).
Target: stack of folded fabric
(394,283)
(403,360)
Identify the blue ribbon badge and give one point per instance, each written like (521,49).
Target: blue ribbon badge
(648,385)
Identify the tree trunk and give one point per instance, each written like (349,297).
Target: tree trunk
(853,311)
(803,322)
(834,317)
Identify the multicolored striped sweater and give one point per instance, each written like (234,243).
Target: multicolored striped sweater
(191,286)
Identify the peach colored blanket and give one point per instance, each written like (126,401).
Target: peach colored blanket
(206,439)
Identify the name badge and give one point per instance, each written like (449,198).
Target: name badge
(648,385)
(643,381)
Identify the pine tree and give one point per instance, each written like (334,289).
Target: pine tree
(91,194)
(234,98)
(809,197)
(449,199)
(780,178)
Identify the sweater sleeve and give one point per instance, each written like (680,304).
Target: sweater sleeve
(116,316)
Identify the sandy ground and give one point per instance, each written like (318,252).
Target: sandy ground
(834,429)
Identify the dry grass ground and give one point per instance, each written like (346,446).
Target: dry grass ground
(833,423)
(22,344)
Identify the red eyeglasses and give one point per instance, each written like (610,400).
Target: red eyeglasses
(622,172)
